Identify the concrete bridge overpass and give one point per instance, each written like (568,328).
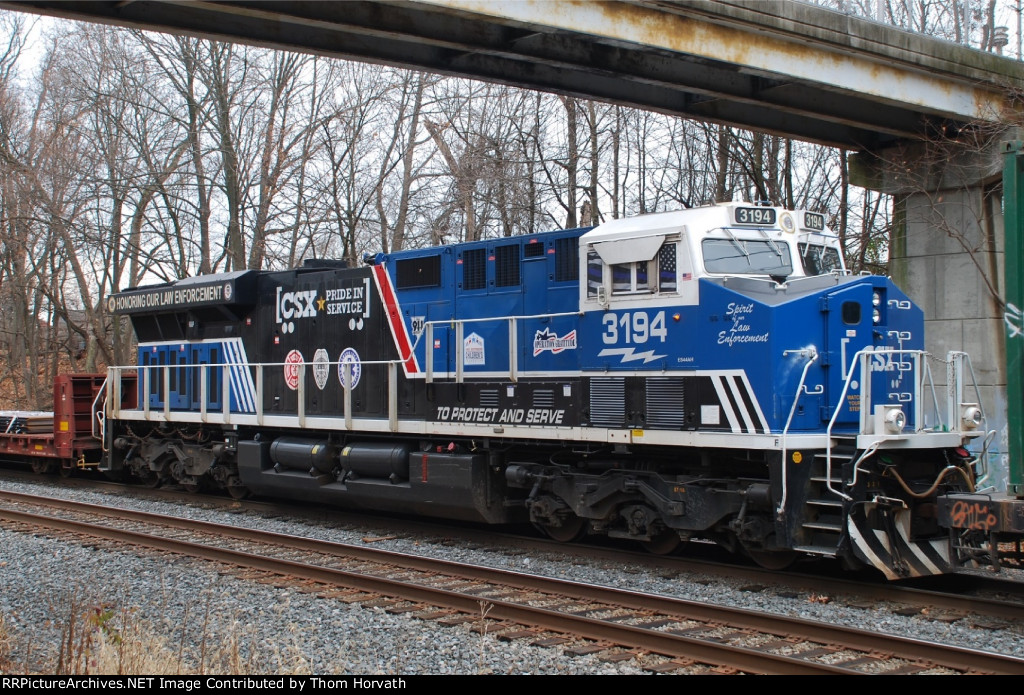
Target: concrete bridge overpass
(926,117)
(781,67)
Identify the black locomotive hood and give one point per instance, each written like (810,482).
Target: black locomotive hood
(223,289)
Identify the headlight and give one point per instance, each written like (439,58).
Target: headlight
(895,421)
(876,299)
(876,315)
(970,416)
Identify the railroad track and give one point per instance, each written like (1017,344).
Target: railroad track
(664,634)
(991,600)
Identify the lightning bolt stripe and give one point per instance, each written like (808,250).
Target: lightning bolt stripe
(630,355)
(394,315)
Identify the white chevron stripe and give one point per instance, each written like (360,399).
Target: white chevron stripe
(868,552)
(241,377)
(731,380)
(753,399)
(716,379)
(923,566)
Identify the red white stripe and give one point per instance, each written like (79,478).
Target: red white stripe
(398,330)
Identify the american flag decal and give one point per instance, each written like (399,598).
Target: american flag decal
(667,267)
(547,341)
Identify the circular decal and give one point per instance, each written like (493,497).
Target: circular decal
(349,356)
(292,364)
(321,368)
(227,291)
(111,304)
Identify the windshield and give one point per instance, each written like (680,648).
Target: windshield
(747,257)
(819,260)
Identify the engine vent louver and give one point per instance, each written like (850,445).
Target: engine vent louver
(665,402)
(543,398)
(608,401)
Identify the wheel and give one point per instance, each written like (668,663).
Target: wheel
(238,492)
(570,530)
(773,560)
(194,484)
(148,478)
(43,467)
(66,471)
(662,543)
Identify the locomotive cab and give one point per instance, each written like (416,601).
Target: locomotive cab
(660,256)
(741,324)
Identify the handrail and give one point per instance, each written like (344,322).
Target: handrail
(99,416)
(230,389)
(812,356)
(919,366)
(459,326)
(859,363)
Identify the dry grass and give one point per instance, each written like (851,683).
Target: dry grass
(102,639)
(99,628)
(5,646)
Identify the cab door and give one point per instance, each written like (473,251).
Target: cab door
(848,329)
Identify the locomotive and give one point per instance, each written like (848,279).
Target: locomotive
(711,373)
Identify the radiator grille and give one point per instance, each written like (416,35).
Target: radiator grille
(535,249)
(506,265)
(567,256)
(474,269)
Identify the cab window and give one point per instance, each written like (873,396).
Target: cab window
(630,278)
(819,260)
(657,275)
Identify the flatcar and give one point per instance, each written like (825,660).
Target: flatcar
(64,440)
(707,374)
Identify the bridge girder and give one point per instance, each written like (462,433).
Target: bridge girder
(784,68)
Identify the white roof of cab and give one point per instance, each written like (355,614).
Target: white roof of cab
(660,223)
(633,239)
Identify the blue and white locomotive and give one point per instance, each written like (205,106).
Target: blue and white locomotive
(711,373)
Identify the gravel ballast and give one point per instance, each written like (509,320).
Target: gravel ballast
(198,620)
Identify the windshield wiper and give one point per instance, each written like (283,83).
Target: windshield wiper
(771,242)
(736,242)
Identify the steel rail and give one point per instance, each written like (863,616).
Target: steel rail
(653,606)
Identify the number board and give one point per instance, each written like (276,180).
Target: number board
(765,216)
(815,221)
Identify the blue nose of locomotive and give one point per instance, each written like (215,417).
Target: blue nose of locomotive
(810,346)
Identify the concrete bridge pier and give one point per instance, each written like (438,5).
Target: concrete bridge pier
(946,251)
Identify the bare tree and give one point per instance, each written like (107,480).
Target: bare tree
(400,160)
(186,194)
